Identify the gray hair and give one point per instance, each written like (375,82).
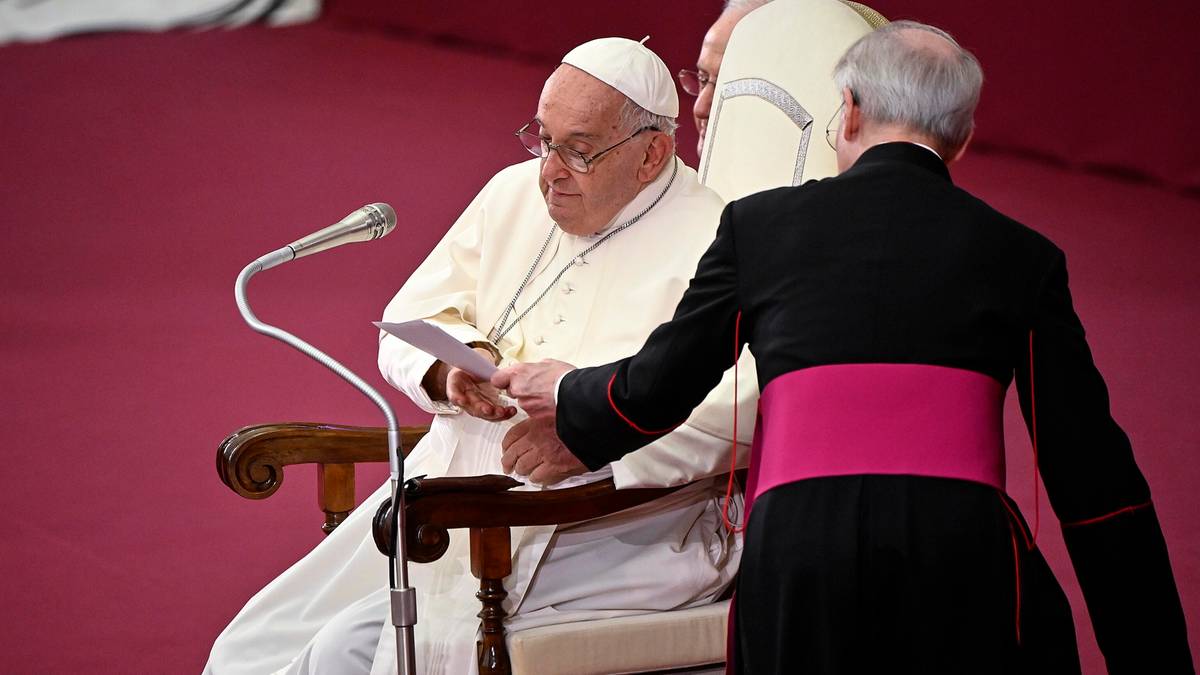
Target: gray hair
(634,117)
(918,88)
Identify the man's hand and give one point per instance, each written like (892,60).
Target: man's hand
(476,398)
(532,384)
(532,448)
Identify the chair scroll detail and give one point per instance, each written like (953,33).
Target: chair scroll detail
(251,461)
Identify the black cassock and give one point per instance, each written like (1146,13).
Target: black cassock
(888,311)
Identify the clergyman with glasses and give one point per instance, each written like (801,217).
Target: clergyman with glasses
(701,82)
(575,254)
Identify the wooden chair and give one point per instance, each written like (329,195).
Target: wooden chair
(252,462)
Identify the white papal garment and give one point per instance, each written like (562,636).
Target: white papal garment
(332,606)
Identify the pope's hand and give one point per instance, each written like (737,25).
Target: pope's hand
(477,398)
(532,384)
(532,448)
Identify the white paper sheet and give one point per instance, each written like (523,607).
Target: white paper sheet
(437,342)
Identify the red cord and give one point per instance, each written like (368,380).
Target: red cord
(1114,514)
(1016,576)
(1037,511)
(1014,524)
(613,405)
(736,529)
(1013,516)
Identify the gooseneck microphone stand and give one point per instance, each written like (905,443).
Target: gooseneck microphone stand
(403,598)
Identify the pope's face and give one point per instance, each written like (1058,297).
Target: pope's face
(578,111)
(712,52)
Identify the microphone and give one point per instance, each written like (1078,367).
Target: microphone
(370,222)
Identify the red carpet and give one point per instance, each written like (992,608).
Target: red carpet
(141,172)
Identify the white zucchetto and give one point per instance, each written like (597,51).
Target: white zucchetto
(630,68)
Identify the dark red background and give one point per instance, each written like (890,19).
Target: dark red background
(1105,85)
(139,173)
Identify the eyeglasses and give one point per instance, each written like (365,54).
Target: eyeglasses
(538,146)
(831,130)
(693,82)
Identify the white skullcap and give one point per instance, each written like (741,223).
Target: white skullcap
(630,68)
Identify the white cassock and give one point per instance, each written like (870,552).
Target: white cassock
(332,606)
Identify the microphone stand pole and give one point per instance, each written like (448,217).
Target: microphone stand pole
(404,598)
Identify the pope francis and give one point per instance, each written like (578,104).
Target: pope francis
(575,255)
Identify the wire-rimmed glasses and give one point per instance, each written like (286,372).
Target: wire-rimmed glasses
(693,82)
(831,129)
(531,138)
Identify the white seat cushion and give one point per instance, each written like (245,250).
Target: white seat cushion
(631,644)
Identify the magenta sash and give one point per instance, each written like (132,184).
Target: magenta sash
(878,418)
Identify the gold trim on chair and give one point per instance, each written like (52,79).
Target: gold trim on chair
(873,18)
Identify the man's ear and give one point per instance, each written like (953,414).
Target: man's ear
(852,117)
(957,154)
(658,151)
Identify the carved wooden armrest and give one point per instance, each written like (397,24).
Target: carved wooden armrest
(251,460)
(435,505)
(487,506)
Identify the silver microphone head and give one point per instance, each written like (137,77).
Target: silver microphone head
(370,222)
